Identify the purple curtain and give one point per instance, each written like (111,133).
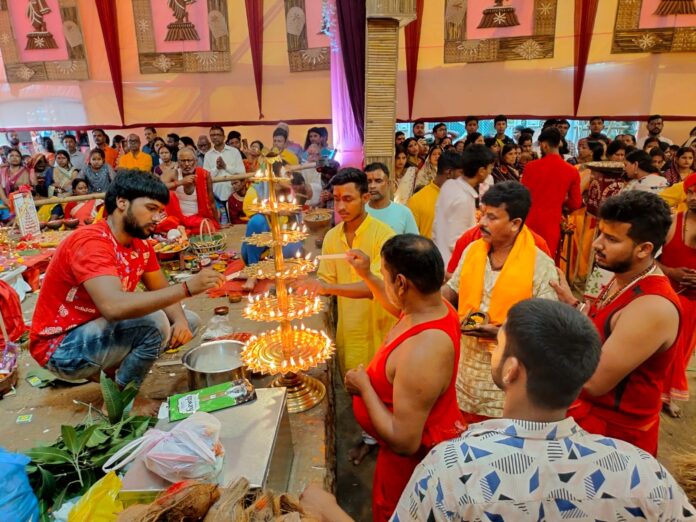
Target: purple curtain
(351,27)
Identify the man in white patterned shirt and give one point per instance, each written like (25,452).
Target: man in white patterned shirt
(535,464)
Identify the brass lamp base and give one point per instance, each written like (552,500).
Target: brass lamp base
(304,392)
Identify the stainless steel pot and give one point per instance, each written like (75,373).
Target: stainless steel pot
(214,363)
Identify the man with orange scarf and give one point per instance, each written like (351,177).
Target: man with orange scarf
(678,262)
(190,197)
(497,271)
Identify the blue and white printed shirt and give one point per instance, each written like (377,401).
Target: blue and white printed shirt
(513,470)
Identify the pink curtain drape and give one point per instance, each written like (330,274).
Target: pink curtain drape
(254,12)
(412,36)
(109,26)
(346,138)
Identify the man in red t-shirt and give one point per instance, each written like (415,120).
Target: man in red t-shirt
(553,183)
(88,317)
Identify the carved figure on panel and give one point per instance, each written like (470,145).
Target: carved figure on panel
(182,29)
(40,38)
(498,16)
(676,7)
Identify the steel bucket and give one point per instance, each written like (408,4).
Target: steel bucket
(213,363)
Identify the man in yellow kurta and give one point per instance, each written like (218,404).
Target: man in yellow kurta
(422,203)
(497,271)
(362,322)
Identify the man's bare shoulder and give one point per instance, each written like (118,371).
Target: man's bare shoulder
(433,343)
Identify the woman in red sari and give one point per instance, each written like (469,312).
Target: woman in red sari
(394,402)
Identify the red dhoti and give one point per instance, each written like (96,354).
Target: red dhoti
(677,254)
(677,384)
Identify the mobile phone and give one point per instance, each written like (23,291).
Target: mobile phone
(245,143)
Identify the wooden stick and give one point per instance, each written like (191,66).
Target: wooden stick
(59,200)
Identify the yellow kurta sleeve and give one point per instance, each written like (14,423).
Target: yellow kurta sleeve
(249,198)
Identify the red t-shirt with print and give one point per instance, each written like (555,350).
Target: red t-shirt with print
(63,303)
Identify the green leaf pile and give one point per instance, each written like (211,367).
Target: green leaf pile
(72,464)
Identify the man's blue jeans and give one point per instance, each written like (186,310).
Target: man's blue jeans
(132,345)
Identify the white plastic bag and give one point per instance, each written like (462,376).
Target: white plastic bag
(191,450)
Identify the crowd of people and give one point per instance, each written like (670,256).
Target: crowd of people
(49,172)
(452,272)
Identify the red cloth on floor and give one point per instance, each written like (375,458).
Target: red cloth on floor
(36,265)
(234,287)
(11,309)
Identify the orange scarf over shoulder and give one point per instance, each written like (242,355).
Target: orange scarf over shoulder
(514,284)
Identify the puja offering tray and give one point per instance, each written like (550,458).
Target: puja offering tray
(289,349)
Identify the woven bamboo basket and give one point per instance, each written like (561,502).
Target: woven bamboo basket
(209,243)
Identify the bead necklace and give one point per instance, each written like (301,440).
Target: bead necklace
(603,300)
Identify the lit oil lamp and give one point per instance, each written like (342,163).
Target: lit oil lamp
(286,350)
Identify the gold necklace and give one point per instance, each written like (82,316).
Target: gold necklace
(603,300)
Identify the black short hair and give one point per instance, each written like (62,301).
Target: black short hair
(77,181)
(471,138)
(234,134)
(99,130)
(438,126)
(549,123)
(174,136)
(418,122)
(513,195)
(188,141)
(449,160)
(654,117)
(351,175)
(280,132)
(644,161)
(552,136)
(524,137)
(69,137)
(399,133)
(500,117)
(417,259)
(558,346)
(216,127)
(151,128)
(600,118)
(633,138)
(471,118)
(615,146)
(490,141)
(657,151)
(377,165)
(647,213)
(476,157)
(98,152)
(134,184)
(562,121)
(527,130)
